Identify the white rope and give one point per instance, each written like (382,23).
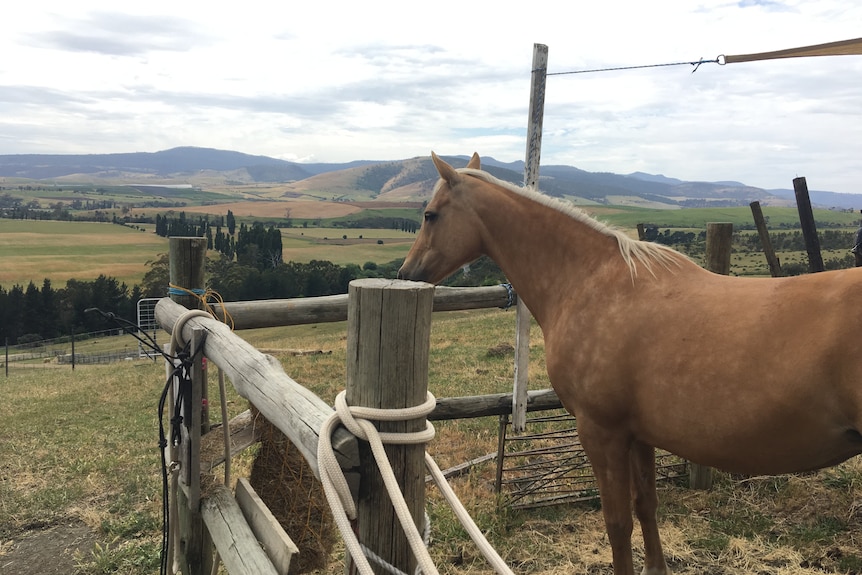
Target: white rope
(177,341)
(356,419)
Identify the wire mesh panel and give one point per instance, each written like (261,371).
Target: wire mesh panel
(147,322)
(547,465)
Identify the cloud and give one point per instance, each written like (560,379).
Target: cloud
(292,80)
(117,34)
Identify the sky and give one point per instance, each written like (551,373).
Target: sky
(336,81)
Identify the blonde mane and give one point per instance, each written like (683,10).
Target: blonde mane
(632,251)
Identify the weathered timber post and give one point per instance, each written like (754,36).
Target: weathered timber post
(641,232)
(719,237)
(809,229)
(523,318)
(187,259)
(388,341)
(760,222)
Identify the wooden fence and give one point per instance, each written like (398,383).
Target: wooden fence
(380,314)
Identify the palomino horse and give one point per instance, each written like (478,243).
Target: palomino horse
(647,349)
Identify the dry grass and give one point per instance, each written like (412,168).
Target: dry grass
(80,447)
(61,251)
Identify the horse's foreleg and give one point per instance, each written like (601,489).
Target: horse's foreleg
(609,457)
(646,503)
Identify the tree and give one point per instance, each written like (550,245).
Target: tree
(156,279)
(49,327)
(231,223)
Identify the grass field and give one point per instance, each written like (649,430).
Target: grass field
(374,245)
(629,218)
(35,250)
(59,251)
(79,455)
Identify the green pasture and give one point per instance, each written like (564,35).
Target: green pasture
(776,217)
(47,193)
(414,214)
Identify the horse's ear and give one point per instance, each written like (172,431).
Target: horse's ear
(474,162)
(446,171)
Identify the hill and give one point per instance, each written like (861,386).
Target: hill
(409,179)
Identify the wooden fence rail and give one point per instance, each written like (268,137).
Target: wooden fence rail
(292,408)
(299,311)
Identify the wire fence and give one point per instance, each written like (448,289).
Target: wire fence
(90,348)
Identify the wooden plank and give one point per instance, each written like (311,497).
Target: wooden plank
(292,408)
(277,545)
(237,546)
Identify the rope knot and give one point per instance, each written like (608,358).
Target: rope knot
(358,420)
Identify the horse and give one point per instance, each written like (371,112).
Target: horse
(646,349)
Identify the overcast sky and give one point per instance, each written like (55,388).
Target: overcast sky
(381,80)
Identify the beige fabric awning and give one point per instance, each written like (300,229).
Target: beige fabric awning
(842,48)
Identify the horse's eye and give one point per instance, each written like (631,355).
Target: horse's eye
(430,216)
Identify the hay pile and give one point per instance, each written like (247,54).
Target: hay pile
(285,482)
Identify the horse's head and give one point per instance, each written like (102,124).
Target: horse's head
(448,238)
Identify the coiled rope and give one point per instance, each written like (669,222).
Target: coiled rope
(358,421)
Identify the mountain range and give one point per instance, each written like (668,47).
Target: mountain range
(398,180)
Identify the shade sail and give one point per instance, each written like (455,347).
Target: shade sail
(842,48)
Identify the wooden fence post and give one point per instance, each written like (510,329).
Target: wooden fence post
(760,222)
(809,230)
(187,259)
(388,341)
(523,318)
(719,238)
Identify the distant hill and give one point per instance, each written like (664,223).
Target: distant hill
(398,180)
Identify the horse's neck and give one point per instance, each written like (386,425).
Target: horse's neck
(544,251)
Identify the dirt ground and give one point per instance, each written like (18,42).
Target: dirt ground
(46,549)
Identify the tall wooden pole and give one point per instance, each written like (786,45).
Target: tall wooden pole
(531,179)
(809,229)
(388,342)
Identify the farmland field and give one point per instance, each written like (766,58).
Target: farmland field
(59,251)
(34,250)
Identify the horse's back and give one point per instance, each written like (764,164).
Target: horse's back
(750,375)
